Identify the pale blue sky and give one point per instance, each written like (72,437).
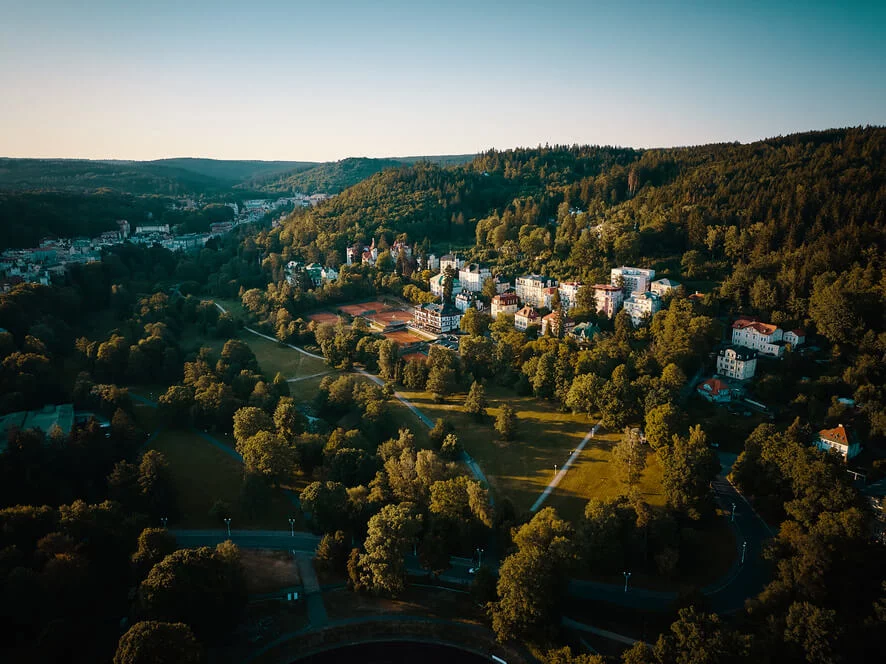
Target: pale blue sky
(317,81)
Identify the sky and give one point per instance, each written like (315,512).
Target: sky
(291,80)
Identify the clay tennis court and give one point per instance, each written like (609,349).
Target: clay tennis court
(362,308)
(403,337)
(323,317)
(390,318)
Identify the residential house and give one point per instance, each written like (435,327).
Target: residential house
(764,338)
(466,299)
(401,248)
(505,303)
(525,317)
(328,274)
(315,272)
(584,333)
(472,277)
(631,279)
(715,390)
(502,285)
(841,439)
(737,362)
(608,298)
(531,289)
(436,318)
(663,286)
(550,324)
(436,283)
(451,260)
(431,263)
(549,295)
(794,338)
(641,307)
(569,294)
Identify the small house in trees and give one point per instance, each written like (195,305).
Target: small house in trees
(584,333)
(737,362)
(841,439)
(662,287)
(525,317)
(714,390)
(505,303)
(795,337)
(550,324)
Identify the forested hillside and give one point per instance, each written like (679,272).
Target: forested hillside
(328,178)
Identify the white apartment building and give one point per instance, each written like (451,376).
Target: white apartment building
(505,303)
(531,289)
(641,307)
(432,263)
(764,338)
(736,362)
(663,286)
(502,285)
(569,294)
(450,260)
(634,279)
(436,318)
(609,299)
(472,277)
(436,283)
(794,338)
(466,299)
(525,317)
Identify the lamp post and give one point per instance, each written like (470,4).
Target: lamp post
(479,557)
(555,469)
(744,550)
(228,525)
(733,513)
(627,576)
(291,527)
(164,521)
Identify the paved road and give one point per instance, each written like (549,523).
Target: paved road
(248,539)
(313,595)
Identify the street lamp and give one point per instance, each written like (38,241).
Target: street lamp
(555,469)
(164,521)
(627,576)
(480,557)
(733,513)
(228,524)
(292,526)
(744,550)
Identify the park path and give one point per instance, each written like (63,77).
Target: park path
(560,475)
(301,378)
(313,595)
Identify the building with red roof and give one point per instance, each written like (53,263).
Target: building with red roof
(841,439)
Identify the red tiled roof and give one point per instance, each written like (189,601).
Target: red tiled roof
(715,386)
(527,312)
(762,328)
(799,333)
(838,434)
(606,287)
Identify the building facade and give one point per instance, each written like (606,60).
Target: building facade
(569,294)
(632,279)
(550,324)
(764,338)
(641,307)
(505,303)
(472,277)
(436,283)
(608,298)
(436,318)
(531,289)
(525,317)
(662,287)
(451,260)
(841,439)
(736,362)
(714,390)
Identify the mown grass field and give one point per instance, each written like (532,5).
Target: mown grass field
(203,474)
(520,469)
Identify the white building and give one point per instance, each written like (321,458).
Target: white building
(641,307)
(632,279)
(436,283)
(608,298)
(432,263)
(531,289)
(736,362)
(502,285)
(505,303)
(569,294)
(472,277)
(794,338)
(328,274)
(663,286)
(436,318)
(450,260)
(550,324)
(525,317)
(154,228)
(764,338)
(466,299)
(841,439)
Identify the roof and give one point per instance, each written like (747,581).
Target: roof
(585,330)
(762,328)
(474,268)
(505,298)
(713,386)
(839,434)
(667,282)
(606,287)
(799,332)
(571,284)
(741,353)
(550,290)
(527,312)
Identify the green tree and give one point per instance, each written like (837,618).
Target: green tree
(506,422)
(661,425)
(153,642)
(689,466)
(288,419)
(154,544)
(700,638)
(332,552)
(629,457)
(250,421)
(441,382)
(328,504)
(475,403)
(268,455)
(475,323)
(390,535)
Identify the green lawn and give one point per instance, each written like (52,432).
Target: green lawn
(522,468)
(274,358)
(204,474)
